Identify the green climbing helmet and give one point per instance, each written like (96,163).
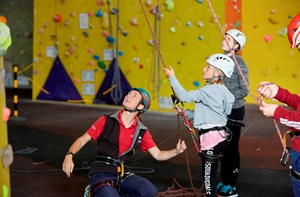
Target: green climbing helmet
(146,100)
(5,38)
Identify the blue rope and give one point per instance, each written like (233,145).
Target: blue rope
(117,92)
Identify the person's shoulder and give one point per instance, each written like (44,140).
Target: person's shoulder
(240,60)
(213,87)
(237,57)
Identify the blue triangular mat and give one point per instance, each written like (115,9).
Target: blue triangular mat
(59,85)
(107,84)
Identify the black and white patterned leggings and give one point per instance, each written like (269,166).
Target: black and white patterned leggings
(210,162)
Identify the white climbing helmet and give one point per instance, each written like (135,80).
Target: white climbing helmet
(238,36)
(222,62)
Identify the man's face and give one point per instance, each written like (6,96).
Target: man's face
(132,99)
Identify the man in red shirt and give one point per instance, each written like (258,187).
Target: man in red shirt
(287,117)
(117,136)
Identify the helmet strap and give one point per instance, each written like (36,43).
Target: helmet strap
(135,109)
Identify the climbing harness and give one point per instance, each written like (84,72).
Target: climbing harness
(236,123)
(286,150)
(110,161)
(121,172)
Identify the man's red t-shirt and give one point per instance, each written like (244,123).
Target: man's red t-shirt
(125,136)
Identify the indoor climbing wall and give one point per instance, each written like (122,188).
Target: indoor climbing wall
(6,153)
(85,36)
(86,40)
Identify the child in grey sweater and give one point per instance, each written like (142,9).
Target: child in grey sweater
(234,41)
(213,103)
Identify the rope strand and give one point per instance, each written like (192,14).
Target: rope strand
(153,35)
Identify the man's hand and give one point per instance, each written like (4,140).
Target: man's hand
(68,165)
(180,146)
(267,89)
(267,109)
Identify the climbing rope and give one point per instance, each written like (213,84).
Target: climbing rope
(182,191)
(182,111)
(159,52)
(186,155)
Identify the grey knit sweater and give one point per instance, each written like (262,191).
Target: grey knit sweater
(236,84)
(212,103)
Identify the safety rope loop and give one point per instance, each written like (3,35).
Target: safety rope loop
(189,125)
(180,110)
(175,100)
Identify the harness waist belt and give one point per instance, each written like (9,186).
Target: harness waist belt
(202,131)
(237,123)
(109,161)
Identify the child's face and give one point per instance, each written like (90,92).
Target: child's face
(208,72)
(228,43)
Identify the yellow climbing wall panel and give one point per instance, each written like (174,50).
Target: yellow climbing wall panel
(4,172)
(185,31)
(267,51)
